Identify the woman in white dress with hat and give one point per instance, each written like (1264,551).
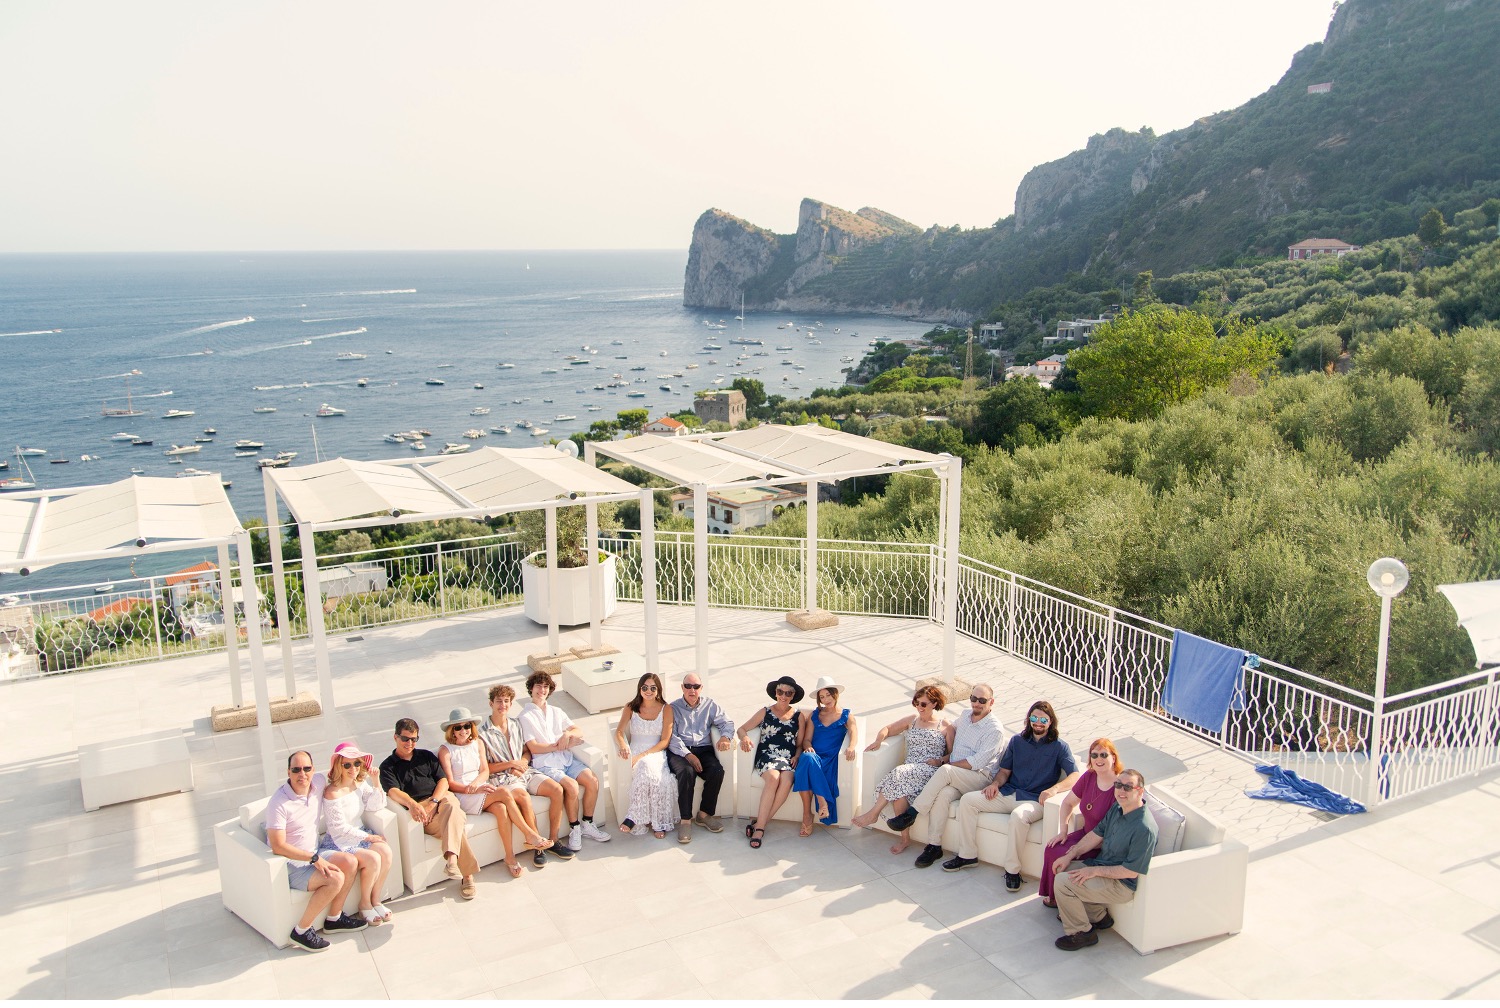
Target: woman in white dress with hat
(468,770)
(351,793)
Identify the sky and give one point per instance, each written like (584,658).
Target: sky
(184,125)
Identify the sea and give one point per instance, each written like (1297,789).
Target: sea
(394,340)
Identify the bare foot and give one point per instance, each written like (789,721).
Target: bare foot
(822,809)
(864,821)
(900,845)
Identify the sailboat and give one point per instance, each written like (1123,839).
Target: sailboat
(115,411)
(16,482)
(741,315)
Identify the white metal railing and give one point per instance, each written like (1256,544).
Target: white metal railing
(1299,721)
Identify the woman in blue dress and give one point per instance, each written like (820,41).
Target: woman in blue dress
(828,730)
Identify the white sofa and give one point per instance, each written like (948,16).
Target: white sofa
(1195,888)
(748,785)
(422,855)
(253,881)
(619,779)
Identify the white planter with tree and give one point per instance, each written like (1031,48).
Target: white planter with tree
(573,604)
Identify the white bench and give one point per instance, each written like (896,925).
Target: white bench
(127,769)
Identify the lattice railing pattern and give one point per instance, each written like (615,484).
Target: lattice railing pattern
(1441,739)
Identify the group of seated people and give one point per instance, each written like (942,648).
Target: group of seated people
(495,764)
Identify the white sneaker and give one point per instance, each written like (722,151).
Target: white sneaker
(575,838)
(594,832)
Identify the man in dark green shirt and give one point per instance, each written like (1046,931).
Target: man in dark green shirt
(1125,839)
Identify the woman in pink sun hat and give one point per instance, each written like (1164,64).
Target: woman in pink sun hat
(350,793)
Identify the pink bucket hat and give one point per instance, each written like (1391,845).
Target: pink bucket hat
(348,750)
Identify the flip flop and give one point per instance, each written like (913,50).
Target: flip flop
(514,869)
(372,917)
(755,841)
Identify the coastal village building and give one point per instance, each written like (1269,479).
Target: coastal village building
(1307,248)
(742,507)
(1075,330)
(727,407)
(666,427)
(1044,370)
(992,330)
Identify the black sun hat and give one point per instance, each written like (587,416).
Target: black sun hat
(785,680)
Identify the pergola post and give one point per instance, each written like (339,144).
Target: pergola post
(312,594)
(648,576)
(596,584)
(278,584)
(231,638)
(700,576)
(810,584)
(554,636)
(263,733)
(953,476)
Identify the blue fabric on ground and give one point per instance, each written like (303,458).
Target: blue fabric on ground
(1203,681)
(1284,785)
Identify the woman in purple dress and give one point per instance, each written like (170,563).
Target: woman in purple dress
(1093,793)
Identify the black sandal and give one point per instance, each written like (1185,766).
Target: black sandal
(755,841)
(749,829)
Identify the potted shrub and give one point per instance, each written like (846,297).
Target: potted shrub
(573,605)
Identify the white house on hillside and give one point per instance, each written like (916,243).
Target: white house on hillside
(739,508)
(666,427)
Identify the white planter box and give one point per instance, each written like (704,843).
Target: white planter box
(573,591)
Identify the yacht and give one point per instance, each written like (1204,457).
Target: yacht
(274,463)
(327,410)
(363,383)
(245,453)
(34,452)
(635,395)
(454,449)
(349,355)
(176,414)
(122,436)
(480,411)
(434,381)
(264,409)
(501,429)
(142,442)
(285,456)
(394,439)
(561,417)
(419,446)
(245,443)
(538,431)
(473,433)
(506,366)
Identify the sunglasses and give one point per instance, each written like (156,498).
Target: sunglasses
(301,769)
(408,739)
(1100,755)
(980,699)
(786,692)
(692,685)
(1122,786)
(463,727)
(1034,719)
(351,764)
(921,703)
(648,688)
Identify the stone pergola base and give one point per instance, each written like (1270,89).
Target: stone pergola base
(956,692)
(551,664)
(227,717)
(812,619)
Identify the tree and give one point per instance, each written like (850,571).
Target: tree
(1146,360)
(1432,227)
(603,430)
(632,420)
(754,390)
(1014,413)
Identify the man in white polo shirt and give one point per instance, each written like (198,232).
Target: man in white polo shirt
(292,832)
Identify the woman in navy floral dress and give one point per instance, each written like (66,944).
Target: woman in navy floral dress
(776,751)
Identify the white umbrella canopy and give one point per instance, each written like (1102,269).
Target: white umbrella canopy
(1478,606)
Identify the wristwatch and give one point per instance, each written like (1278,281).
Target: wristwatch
(314,859)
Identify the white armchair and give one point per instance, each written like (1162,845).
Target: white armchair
(253,881)
(748,785)
(422,855)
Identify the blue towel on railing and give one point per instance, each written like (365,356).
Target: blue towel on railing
(1284,785)
(1203,681)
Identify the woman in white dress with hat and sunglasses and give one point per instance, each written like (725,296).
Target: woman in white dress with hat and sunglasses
(351,793)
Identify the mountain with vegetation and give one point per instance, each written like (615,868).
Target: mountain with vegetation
(1399,130)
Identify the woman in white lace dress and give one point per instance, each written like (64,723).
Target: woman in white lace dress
(642,736)
(467,768)
(351,792)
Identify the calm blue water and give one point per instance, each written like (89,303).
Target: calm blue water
(227,332)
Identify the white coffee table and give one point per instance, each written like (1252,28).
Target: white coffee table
(598,688)
(131,768)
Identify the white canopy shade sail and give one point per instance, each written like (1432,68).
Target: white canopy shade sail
(52,526)
(504,478)
(1478,606)
(811,448)
(344,488)
(686,461)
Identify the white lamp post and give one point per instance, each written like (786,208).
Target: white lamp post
(1387,577)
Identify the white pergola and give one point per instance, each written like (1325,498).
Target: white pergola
(776,455)
(347,494)
(138,516)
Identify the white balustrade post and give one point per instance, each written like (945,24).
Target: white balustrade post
(442,586)
(700,576)
(231,634)
(554,635)
(278,585)
(810,570)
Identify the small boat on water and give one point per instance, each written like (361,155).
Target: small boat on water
(244,443)
(327,410)
(419,446)
(176,414)
(101,589)
(394,439)
(349,355)
(538,431)
(34,452)
(142,442)
(264,409)
(122,436)
(480,411)
(473,433)
(502,429)
(204,440)
(524,424)
(561,417)
(58,461)
(286,455)
(635,395)
(183,449)
(434,381)
(210,431)
(479,385)
(363,383)
(247,453)
(505,366)
(450,448)
(137,471)
(274,463)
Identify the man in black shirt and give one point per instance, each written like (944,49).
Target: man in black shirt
(414,779)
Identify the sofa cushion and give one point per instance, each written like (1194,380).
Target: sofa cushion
(253,817)
(1170,825)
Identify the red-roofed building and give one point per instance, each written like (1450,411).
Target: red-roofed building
(1309,247)
(118,608)
(201,577)
(666,426)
